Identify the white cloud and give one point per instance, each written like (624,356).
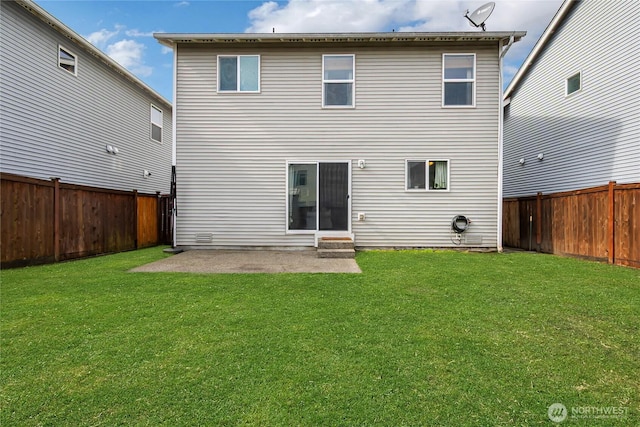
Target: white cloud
(101,37)
(409,15)
(528,15)
(182,4)
(306,16)
(165,50)
(510,70)
(129,53)
(137,33)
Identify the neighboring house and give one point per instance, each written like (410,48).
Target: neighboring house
(572,111)
(385,137)
(69,111)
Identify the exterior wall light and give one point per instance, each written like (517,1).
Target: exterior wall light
(111,149)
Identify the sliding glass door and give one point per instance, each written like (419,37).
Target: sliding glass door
(318,196)
(302,199)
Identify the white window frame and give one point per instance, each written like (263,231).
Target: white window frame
(426,175)
(471,80)
(238,90)
(566,84)
(160,125)
(352,81)
(75,60)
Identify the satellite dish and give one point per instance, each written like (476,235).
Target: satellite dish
(480,15)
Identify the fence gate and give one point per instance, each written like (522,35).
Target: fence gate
(165,220)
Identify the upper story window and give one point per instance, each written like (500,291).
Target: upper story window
(338,80)
(573,83)
(458,79)
(427,175)
(67,60)
(238,73)
(156,124)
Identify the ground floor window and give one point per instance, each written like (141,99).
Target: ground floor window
(318,196)
(427,174)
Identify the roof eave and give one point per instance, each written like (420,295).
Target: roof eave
(171,39)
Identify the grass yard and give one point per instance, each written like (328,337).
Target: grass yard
(420,338)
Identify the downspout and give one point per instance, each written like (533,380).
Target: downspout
(502,50)
(174,133)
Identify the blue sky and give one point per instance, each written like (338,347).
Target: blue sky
(123,29)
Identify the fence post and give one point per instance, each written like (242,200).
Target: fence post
(538,221)
(56,218)
(611,225)
(158,217)
(135,214)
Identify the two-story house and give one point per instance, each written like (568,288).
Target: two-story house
(382,137)
(67,110)
(572,128)
(572,111)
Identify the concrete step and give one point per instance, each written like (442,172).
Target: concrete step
(335,243)
(336,253)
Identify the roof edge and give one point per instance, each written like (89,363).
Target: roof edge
(55,23)
(546,36)
(171,39)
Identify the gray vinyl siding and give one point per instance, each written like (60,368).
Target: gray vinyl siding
(591,136)
(232,149)
(55,124)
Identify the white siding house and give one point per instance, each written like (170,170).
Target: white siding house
(384,137)
(69,111)
(572,112)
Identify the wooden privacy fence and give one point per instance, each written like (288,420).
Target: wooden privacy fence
(600,223)
(47,221)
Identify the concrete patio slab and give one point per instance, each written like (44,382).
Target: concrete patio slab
(250,261)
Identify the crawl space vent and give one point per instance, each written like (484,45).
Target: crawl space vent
(204,237)
(471,239)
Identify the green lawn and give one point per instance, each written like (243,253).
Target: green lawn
(420,338)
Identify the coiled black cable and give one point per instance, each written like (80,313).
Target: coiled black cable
(460,223)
